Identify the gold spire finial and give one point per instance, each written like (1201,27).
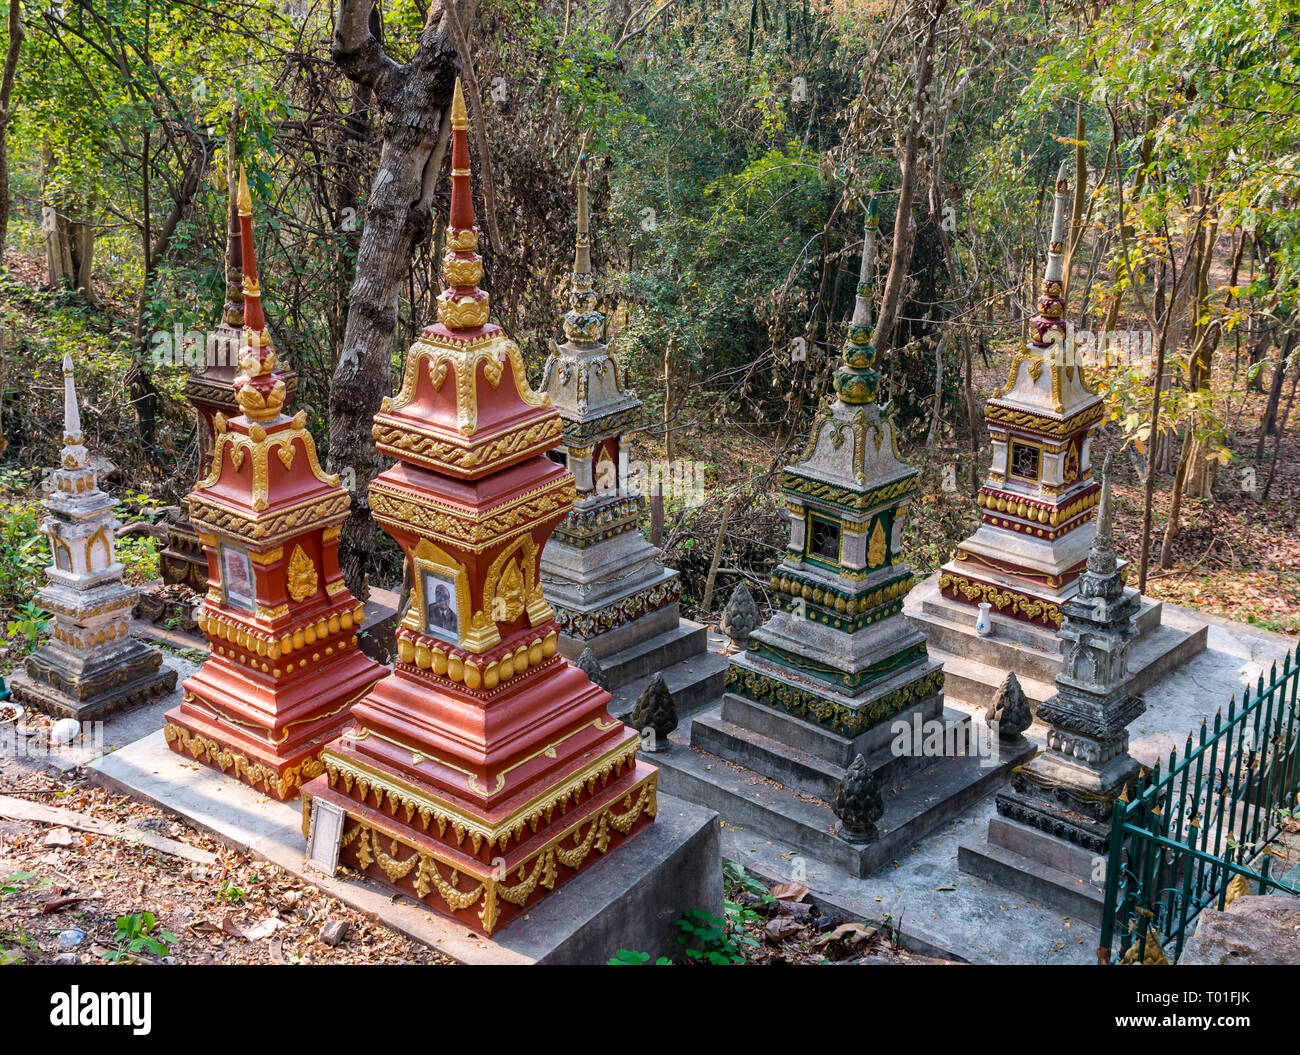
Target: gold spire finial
(245,199)
(462,305)
(459,115)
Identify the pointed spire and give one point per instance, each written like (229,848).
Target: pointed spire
(583,324)
(863,304)
(582,244)
(1101,577)
(1104,526)
(1051,302)
(253,317)
(856,382)
(462,305)
(71,411)
(74,457)
(258,390)
(232,313)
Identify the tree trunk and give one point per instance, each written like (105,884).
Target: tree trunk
(668,399)
(1268,426)
(414,99)
(15,31)
(901,250)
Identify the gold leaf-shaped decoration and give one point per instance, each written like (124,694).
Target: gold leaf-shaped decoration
(1239,887)
(508,605)
(303,580)
(876,550)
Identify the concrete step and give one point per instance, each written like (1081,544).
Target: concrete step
(657,653)
(695,682)
(1154,655)
(957,639)
(798,769)
(773,721)
(771,758)
(975,683)
(748,799)
(1031,877)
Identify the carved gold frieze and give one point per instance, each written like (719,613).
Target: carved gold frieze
(408,443)
(486,887)
(386,792)
(207,750)
(1008,601)
(260,530)
(457,527)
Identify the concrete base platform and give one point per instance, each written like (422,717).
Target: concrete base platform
(974,666)
(686,654)
(631,899)
(1061,876)
(132,676)
(923,792)
(936,909)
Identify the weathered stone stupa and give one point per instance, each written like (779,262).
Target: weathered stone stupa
(1037,510)
(1054,820)
(834,672)
(284,666)
(611,591)
(91,666)
(486,771)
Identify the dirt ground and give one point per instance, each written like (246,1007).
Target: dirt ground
(214,910)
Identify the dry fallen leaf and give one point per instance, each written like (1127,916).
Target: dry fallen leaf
(852,933)
(789,891)
(781,927)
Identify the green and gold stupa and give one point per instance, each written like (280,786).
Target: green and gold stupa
(832,728)
(839,652)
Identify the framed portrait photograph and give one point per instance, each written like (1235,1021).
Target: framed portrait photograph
(441,607)
(237,578)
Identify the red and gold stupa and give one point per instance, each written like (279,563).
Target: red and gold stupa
(486,771)
(1039,499)
(284,666)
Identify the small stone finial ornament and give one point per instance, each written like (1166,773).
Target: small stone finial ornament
(1009,712)
(590,666)
(741,616)
(858,803)
(1102,577)
(655,715)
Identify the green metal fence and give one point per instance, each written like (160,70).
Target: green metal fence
(1190,828)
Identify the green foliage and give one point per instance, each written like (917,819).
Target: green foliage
(708,939)
(230,892)
(630,957)
(30,623)
(139,933)
(139,557)
(24,552)
(12,884)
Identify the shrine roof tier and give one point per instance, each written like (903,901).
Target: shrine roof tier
(472,516)
(851,463)
(253,461)
(465,407)
(1045,396)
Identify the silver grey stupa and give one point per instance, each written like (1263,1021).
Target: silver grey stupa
(607,583)
(91,665)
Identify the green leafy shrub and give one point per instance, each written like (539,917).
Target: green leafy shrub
(139,933)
